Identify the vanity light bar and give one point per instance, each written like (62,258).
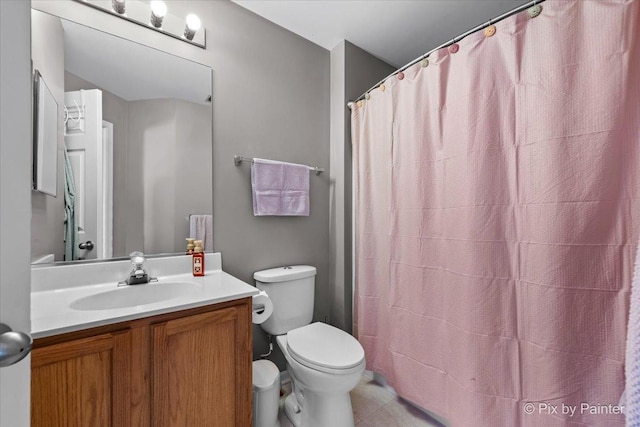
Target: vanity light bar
(154,16)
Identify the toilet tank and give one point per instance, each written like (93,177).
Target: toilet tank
(291,290)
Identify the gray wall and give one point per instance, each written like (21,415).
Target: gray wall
(194,186)
(271,100)
(353,71)
(47,53)
(174,141)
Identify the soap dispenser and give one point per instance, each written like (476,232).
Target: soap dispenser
(198,259)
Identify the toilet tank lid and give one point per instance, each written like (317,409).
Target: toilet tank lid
(282,274)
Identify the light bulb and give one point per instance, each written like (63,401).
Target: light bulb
(118,6)
(193,25)
(158,8)
(158,11)
(193,22)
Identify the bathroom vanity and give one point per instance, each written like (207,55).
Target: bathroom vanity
(178,358)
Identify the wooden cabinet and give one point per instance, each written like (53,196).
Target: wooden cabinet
(83,382)
(190,368)
(195,368)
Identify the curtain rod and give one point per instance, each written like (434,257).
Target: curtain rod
(450,42)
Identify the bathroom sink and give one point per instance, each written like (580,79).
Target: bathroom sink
(135,295)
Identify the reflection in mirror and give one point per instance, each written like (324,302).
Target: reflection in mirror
(45,149)
(135,154)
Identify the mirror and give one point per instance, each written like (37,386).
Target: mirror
(135,155)
(45,135)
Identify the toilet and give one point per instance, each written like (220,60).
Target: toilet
(323,362)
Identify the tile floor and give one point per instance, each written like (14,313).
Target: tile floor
(375,406)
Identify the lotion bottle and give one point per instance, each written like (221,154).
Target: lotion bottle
(190,245)
(198,259)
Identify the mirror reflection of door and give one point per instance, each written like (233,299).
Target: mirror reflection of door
(90,150)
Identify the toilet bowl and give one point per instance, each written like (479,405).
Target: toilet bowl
(323,362)
(324,365)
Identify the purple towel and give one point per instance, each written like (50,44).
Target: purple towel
(279,188)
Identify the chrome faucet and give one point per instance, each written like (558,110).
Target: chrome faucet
(138,275)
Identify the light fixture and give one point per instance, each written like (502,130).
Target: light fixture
(193,25)
(118,6)
(154,15)
(158,11)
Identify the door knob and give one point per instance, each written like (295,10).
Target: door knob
(88,245)
(14,346)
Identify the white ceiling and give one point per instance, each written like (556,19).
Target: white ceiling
(396,31)
(130,70)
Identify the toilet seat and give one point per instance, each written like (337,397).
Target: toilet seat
(325,348)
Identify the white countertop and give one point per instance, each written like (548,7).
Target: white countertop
(52,312)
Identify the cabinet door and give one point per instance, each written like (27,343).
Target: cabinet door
(202,370)
(82,383)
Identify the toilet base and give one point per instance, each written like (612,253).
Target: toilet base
(320,410)
(292,410)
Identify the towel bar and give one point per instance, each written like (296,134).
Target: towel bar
(237,160)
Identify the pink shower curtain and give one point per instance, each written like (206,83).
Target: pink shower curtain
(497,219)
